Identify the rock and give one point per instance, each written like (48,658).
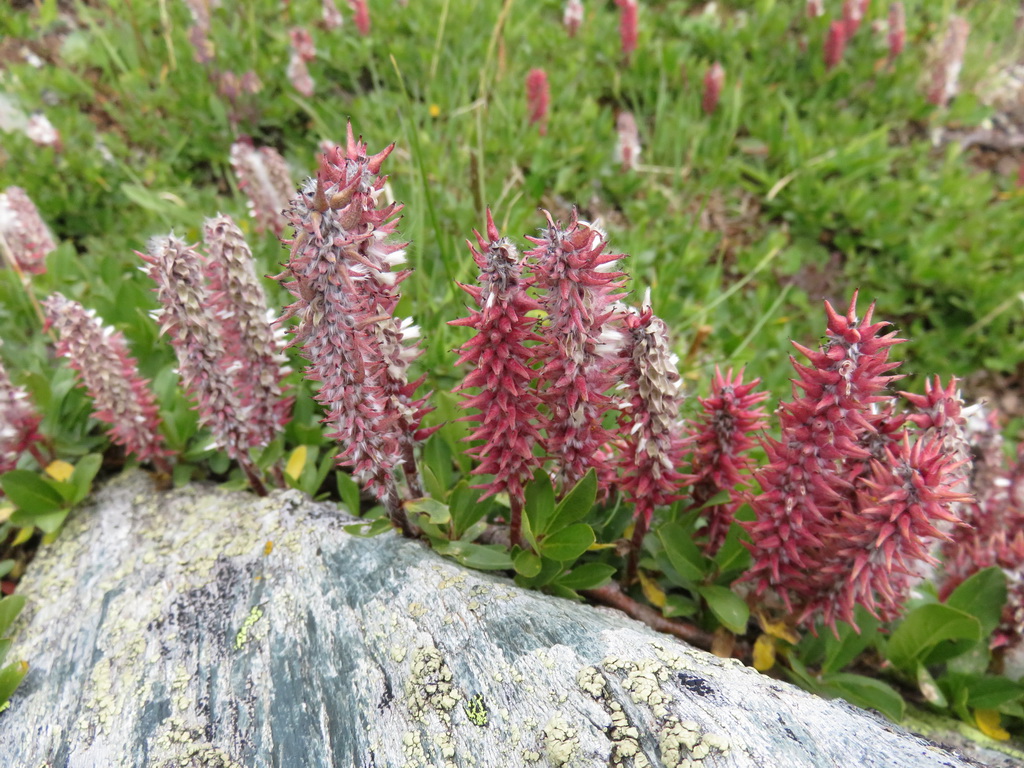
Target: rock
(201,627)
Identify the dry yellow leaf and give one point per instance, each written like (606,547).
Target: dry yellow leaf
(60,470)
(988,723)
(764,653)
(779,629)
(655,595)
(23,535)
(296,463)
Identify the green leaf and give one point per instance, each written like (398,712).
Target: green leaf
(10,607)
(436,512)
(993,692)
(728,607)
(929,689)
(466,507)
(732,556)
(679,605)
(527,563)
(868,693)
(431,484)
(5,646)
(10,678)
(85,472)
(576,505)
(32,494)
(348,489)
(549,569)
(368,530)
(6,566)
(924,629)
(983,596)
(539,503)
(569,543)
(682,552)
(47,523)
(839,653)
(587,576)
(437,457)
(482,557)
(559,590)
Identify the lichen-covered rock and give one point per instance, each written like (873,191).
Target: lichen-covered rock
(207,628)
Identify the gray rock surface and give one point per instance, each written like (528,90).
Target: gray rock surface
(206,628)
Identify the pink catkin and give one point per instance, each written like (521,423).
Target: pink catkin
(627,143)
(538,97)
(19,425)
(203,364)
(341,274)
(264,177)
(854,12)
(721,439)
(848,502)
(897,35)
(302,43)
(24,235)
(946,67)
(835,44)
(578,287)
(572,17)
(331,16)
(628,12)
(253,352)
(714,80)
(650,425)
(121,397)
(299,77)
(508,414)
(361,13)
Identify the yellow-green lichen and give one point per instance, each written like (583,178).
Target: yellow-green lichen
(243,634)
(476,710)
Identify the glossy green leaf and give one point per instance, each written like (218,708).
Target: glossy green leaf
(728,607)
(576,505)
(368,530)
(348,489)
(435,511)
(482,557)
(437,457)
(587,576)
(31,493)
(6,566)
(11,677)
(930,690)
(983,596)
(48,522)
(539,501)
(682,552)
(466,507)
(867,692)
(569,543)
(527,563)
(924,628)
(842,651)
(679,605)
(85,472)
(10,607)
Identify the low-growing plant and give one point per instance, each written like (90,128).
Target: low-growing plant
(867,543)
(580,448)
